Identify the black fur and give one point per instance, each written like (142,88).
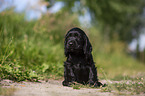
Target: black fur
(79,66)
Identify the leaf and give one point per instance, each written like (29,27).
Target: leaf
(45,67)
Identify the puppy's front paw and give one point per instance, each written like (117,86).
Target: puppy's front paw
(95,84)
(65,83)
(91,82)
(98,84)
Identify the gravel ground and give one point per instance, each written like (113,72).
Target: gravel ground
(50,88)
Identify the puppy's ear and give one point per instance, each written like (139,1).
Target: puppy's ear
(66,53)
(65,50)
(87,47)
(65,44)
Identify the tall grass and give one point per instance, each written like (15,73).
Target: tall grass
(112,57)
(31,50)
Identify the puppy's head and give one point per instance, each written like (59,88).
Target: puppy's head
(77,42)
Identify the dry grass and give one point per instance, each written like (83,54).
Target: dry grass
(7,91)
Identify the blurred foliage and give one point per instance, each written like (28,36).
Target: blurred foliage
(140,55)
(115,19)
(32,50)
(111,57)
(119,19)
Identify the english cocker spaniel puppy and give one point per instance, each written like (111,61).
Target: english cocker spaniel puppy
(79,66)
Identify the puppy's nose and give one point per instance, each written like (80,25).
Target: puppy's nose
(71,43)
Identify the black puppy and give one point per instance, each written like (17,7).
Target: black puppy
(79,66)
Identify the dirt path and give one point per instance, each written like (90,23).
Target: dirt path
(51,88)
(55,88)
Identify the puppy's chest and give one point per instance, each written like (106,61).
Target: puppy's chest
(79,66)
(79,63)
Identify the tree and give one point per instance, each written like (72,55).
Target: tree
(115,18)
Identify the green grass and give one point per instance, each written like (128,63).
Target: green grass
(131,87)
(127,86)
(119,65)
(78,86)
(31,50)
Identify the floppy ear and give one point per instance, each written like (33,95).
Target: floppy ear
(65,50)
(87,47)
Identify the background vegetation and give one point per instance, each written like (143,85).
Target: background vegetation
(32,50)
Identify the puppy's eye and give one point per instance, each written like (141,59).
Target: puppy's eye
(70,34)
(76,35)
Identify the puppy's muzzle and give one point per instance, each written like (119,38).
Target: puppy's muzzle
(72,43)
